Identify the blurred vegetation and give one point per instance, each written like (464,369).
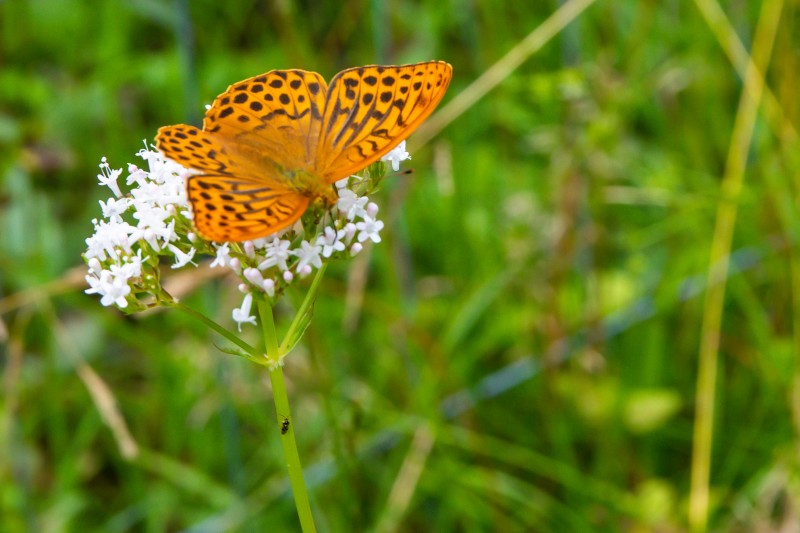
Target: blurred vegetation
(519,354)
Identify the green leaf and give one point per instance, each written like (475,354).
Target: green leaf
(303,318)
(232,350)
(297,329)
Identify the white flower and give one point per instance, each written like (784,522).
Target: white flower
(164,233)
(331,241)
(151,216)
(308,254)
(113,208)
(150,194)
(269,287)
(163,185)
(276,253)
(131,268)
(253,275)
(113,289)
(261,242)
(369,229)
(304,271)
(110,238)
(162,171)
(372,209)
(349,232)
(135,175)
(109,177)
(356,248)
(223,258)
(397,155)
(133,265)
(149,236)
(94,266)
(95,285)
(181,258)
(350,204)
(242,315)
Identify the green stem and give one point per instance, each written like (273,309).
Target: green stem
(282,410)
(268,328)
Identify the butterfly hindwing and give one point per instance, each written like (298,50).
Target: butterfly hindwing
(232,208)
(369,110)
(239,195)
(193,148)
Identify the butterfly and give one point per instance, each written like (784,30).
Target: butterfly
(273,145)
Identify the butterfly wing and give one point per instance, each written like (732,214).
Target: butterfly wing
(263,129)
(369,110)
(229,208)
(239,196)
(277,114)
(193,148)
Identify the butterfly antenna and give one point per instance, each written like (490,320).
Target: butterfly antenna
(400,173)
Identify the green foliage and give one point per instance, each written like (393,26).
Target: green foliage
(519,354)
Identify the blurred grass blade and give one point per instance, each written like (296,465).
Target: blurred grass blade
(188,478)
(719,262)
(475,306)
(501,70)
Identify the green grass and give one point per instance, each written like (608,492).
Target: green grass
(523,353)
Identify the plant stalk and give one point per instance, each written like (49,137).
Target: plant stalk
(283,414)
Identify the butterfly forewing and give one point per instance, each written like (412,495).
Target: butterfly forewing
(278,114)
(369,110)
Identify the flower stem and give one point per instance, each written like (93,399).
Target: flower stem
(282,411)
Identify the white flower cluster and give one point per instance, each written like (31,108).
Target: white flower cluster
(154,219)
(120,250)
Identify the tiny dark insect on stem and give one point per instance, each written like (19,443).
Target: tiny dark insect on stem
(284,425)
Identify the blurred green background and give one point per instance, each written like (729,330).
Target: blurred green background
(521,353)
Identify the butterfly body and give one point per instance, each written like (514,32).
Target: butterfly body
(274,144)
(311,186)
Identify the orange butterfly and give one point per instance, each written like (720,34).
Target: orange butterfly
(273,144)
